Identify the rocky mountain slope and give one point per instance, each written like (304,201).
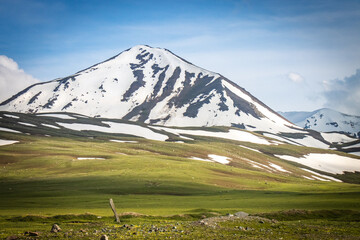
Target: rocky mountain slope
(153,86)
(326,120)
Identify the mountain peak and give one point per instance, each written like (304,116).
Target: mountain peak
(151,85)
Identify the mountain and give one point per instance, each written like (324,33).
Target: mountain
(326,120)
(153,86)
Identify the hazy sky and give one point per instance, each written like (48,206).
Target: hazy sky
(292,55)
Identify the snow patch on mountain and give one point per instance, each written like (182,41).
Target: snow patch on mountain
(8,130)
(232,134)
(121,128)
(62,116)
(337,138)
(6,142)
(331,163)
(321,177)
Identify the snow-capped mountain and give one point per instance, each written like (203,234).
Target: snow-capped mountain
(326,120)
(153,86)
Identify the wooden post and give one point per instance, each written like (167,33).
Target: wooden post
(112,205)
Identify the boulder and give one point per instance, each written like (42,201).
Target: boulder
(55,228)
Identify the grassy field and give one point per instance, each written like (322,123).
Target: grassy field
(42,176)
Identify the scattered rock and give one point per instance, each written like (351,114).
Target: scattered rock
(104,237)
(83,231)
(55,228)
(241,214)
(203,222)
(261,221)
(13,237)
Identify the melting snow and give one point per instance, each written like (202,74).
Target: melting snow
(27,124)
(252,149)
(279,168)
(122,141)
(309,178)
(270,135)
(50,126)
(90,158)
(309,141)
(337,137)
(213,158)
(62,116)
(12,116)
(258,165)
(7,142)
(8,130)
(353,146)
(121,128)
(331,163)
(233,134)
(200,159)
(219,159)
(321,175)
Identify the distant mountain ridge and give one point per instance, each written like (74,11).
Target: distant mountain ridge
(326,120)
(153,86)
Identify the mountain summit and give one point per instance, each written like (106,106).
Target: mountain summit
(149,85)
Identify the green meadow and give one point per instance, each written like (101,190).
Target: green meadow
(46,179)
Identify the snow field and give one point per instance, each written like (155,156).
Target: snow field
(122,141)
(337,138)
(89,158)
(62,116)
(8,130)
(233,134)
(121,128)
(6,142)
(27,124)
(252,149)
(50,126)
(213,158)
(271,168)
(331,163)
(11,116)
(321,176)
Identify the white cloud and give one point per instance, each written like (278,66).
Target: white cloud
(343,94)
(12,78)
(295,77)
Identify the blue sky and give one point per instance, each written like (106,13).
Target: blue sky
(292,55)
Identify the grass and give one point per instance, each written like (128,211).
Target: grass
(42,177)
